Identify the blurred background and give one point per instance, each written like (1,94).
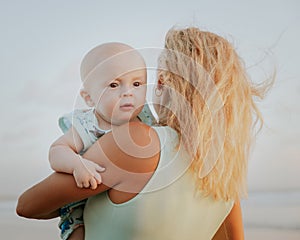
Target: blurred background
(43,42)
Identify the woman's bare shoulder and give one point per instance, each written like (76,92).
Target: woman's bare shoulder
(128,149)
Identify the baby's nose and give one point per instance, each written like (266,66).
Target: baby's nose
(127,92)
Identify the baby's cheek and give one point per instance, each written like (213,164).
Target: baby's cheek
(112,107)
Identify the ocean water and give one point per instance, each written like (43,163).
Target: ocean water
(280,210)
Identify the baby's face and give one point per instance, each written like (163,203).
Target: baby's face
(118,90)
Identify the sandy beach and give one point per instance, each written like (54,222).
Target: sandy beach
(271,233)
(13,227)
(266,216)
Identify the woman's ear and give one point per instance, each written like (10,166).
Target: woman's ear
(160,83)
(87,98)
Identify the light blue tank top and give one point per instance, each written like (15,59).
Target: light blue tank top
(166,209)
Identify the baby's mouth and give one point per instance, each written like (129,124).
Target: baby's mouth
(127,106)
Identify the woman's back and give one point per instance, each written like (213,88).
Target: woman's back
(166,208)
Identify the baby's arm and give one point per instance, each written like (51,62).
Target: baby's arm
(64,157)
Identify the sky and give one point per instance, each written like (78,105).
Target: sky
(43,42)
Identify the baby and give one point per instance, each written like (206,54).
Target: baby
(114,87)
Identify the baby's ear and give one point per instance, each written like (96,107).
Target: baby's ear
(87,98)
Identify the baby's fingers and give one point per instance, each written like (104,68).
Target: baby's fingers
(93,183)
(86,184)
(79,184)
(99,168)
(98,178)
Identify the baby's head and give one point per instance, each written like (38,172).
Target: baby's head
(114,80)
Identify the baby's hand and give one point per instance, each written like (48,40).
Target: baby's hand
(86,174)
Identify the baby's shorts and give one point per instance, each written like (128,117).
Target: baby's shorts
(71,217)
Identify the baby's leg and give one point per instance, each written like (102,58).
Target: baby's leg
(71,218)
(77,234)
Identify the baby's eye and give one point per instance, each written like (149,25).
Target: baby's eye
(137,84)
(113,85)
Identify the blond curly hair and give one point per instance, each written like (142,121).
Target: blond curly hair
(212,108)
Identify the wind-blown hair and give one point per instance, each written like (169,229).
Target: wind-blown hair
(212,108)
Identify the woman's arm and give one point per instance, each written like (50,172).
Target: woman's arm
(129,154)
(232,227)
(43,199)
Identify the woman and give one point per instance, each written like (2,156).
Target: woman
(180,180)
